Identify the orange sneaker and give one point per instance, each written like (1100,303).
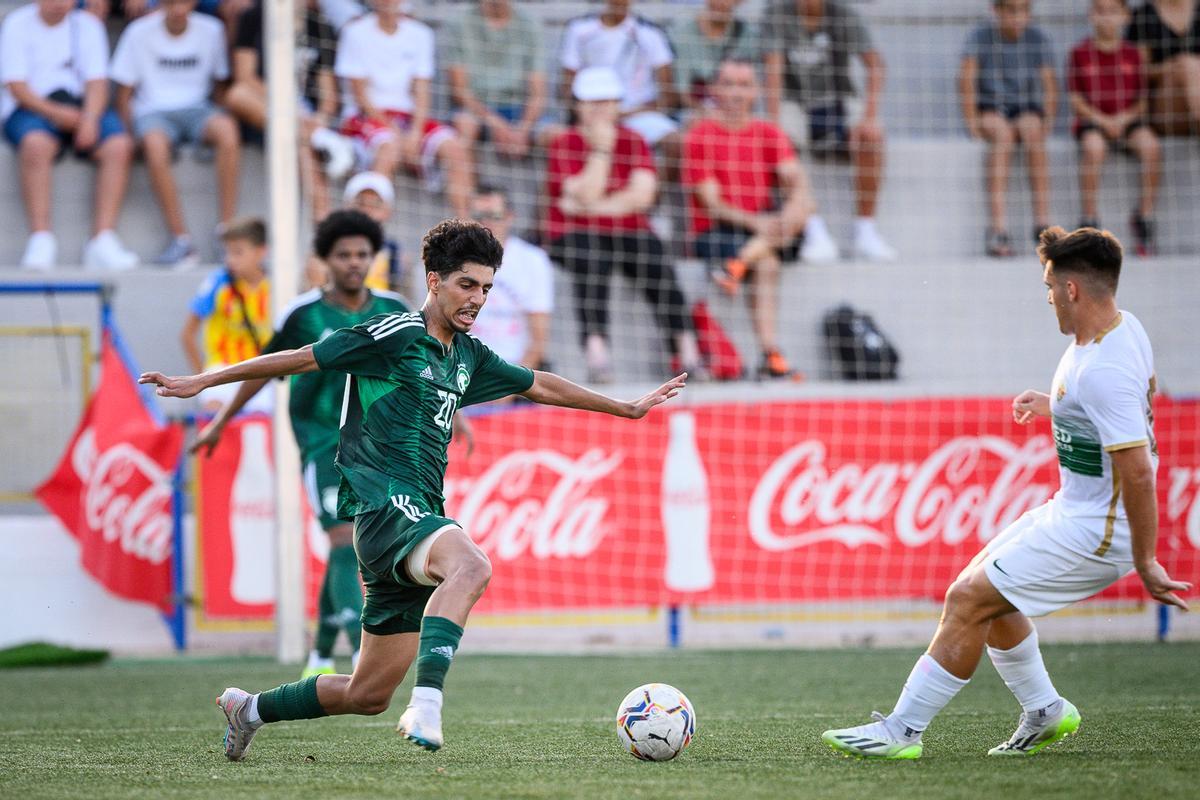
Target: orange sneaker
(774,365)
(730,276)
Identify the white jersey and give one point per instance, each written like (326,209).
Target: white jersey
(524,285)
(1099,403)
(389,62)
(635,48)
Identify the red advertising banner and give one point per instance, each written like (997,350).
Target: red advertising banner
(112,489)
(236,527)
(730,503)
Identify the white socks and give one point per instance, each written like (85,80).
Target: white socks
(426,695)
(926,692)
(252,715)
(1025,675)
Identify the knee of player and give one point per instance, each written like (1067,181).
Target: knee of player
(476,569)
(368,701)
(964,598)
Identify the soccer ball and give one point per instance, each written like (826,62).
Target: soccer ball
(655,722)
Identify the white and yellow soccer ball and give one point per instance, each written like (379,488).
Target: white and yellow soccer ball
(655,722)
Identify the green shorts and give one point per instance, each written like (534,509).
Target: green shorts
(383,538)
(321,482)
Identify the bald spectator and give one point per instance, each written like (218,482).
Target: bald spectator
(732,164)
(54,64)
(808,47)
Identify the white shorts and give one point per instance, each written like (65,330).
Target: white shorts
(1028,564)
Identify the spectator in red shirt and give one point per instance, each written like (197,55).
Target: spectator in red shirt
(600,184)
(1106,84)
(733,165)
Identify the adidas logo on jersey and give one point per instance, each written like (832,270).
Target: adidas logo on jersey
(427,373)
(445,651)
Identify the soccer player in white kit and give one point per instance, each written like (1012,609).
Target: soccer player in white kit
(1100,525)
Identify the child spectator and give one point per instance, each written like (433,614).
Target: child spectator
(54,64)
(373,194)
(515,321)
(1168,34)
(497,75)
(600,184)
(808,48)
(167,66)
(732,165)
(1009,95)
(387,59)
(1106,82)
(318,101)
(232,309)
(702,42)
(640,53)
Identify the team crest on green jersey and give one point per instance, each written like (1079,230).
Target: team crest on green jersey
(463,378)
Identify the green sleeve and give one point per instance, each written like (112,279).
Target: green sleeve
(351,350)
(494,377)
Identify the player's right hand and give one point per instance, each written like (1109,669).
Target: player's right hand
(1162,588)
(186,386)
(207,439)
(1029,404)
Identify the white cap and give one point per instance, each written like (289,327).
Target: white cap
(369,182)
(597,83)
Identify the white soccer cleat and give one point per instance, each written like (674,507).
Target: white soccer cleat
(1039,730)
(873,740)
(421,724)
(240,731)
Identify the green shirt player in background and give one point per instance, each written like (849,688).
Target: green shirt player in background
(347,241)
(409,373)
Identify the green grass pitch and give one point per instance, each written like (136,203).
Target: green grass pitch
(541,727)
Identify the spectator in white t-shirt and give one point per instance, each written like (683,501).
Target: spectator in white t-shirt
(167,66)
(641,54)
(54,65)
(386,59)
(515,321)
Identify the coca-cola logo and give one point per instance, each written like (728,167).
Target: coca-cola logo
(126,497)
(802,500)
(536,502)
(1183,500)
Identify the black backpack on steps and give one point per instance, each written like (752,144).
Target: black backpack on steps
(857,349)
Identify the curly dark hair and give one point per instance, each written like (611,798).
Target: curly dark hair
(1092,253)
(454,242)
(341,224)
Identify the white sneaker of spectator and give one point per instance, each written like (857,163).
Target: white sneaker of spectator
(106,251)
(41,252)
(868,244)
(819,246)
(339,152)
(180,253)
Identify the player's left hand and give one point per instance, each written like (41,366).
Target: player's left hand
(641,407)
(185,386)
(1161,587)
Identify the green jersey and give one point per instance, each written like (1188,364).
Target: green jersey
(316,397)
(404,389)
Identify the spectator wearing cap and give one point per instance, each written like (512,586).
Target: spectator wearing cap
(386,58)
(168,66)
(515,321)
(497,75)
(600,184)
(54,64)
(373,194)
(641,55)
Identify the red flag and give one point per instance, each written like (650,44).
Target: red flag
(112,488)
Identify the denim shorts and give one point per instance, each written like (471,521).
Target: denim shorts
(723,241)
(23,121)
(181,125)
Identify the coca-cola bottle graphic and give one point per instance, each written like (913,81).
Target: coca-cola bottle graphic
(685,509)
(252,520)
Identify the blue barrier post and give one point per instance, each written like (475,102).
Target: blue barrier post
(673,631)
(177,618)
(1164,622)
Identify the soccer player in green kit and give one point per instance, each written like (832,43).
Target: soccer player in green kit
(409,373)
(347,241)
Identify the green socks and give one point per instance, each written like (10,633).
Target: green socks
(439,640)
(345,592)
(341,602)
(291,701)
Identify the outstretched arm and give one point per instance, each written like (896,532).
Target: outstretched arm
(273,365)
(554,390)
